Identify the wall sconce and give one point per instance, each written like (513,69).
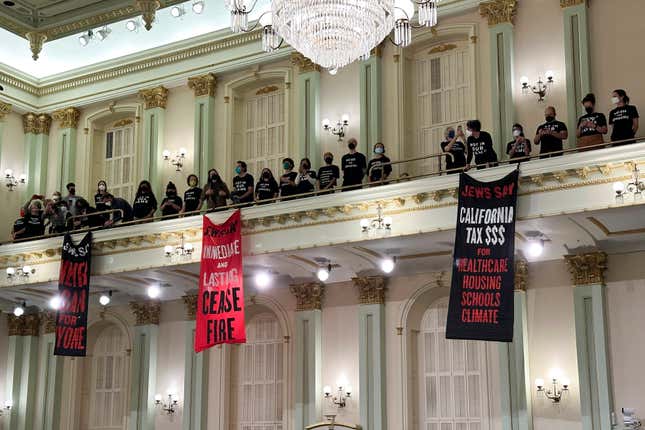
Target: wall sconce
(11,181)
(540,87)
(380,223)
(339,400)
(181,250)
(176,159)
(20,272)
(7,408)
(635,187)
(340,127)
(170,407)
(555,394)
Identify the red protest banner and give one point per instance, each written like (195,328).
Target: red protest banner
(220,304)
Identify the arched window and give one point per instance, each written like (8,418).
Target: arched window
(454,385)
(257,372)
(119,161)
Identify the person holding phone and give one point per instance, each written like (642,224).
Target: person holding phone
(454,144)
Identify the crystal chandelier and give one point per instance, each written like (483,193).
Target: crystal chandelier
(334,33)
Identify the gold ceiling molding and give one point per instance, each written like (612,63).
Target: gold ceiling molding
(443,48)
(25,325)
(154,97)
(67,117)
(49,322)
(146,313)
(309,295)
(5,109)
(521,273)
(36,123)
(609,233)
(568,3)
(498,11)
(36,41)
(190,301)
(267,90)
(203,85)
(123,122)
(371,289)
(587,269)
(304,64)
(148,9)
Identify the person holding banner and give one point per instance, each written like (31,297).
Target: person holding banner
(480,146)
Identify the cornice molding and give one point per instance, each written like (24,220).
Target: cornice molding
(498,11)
(190,301)
(25,325)
(521,273)
(587,269)
(67,117)
(5,109)
(146,313)
(36,123)
(304,64)
(371,289)
(204,85)
(154,97)
(568,3)
(309,295)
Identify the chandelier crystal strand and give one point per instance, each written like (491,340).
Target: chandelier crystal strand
(428,13)
(402,33)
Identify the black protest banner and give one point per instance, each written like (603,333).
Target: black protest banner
(483,272)
(74,290)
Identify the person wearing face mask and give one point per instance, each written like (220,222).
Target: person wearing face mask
(243,185)
(353,165)
(56,214)
(192,196)
(623,119)
(480,146)
(172,203)
(71,198)
(101,190)
(592,125)
(145,203)
(328,174)
(550,135)
(379,167)
(215,191)
(520,146)
(306,178)
(454,144)
(34,224)
(122,210)
(267,187)
(288,179)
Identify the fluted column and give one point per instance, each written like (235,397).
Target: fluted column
(155,101)
(588,276)
(195,374)
(144,364)
(514,359)
(370,81)
(22,369)
(5,109)
(36,128)
(500,15)
(50,373)
(66,154)
(308,92)
(203,148)
(308,347)
(371,350)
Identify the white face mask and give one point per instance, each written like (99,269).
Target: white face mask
(615,100)
(516,133)
(469,133)
(101,187)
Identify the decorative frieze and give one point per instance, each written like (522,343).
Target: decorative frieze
(36,41)
(146,313)
(203,85)
(267,90)
(587,269)
(444,47)
(304,64)
(498,11)
(521,273)
(190,301)
(371,289)
(5,109)
(309,295)
(568,3)
(48,319)
(25,325)
(36,123)
(67,117)
(155,97)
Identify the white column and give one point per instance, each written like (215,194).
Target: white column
(195,374)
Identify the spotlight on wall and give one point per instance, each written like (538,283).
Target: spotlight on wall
(103,33)
(19,310)
(388,264)
(170,406)
(340,399)
(84,39)
(56,302)
(154,291)
(535,248)
(198,6)
(132,25)
(323,272)
(105,299)
(263,279)
(558,388)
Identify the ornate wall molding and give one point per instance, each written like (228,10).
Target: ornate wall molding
(154,97)
(190,301)
(498,11)
(123,122)
(36,123)
(309,295)
(267,90)
(587,268)
(204,85)
(146,313)
(304,64)
(48,319)
(521,273)
(26,325)
(371,289)
(568,3)
(442,48)
(67,117)
(5,109)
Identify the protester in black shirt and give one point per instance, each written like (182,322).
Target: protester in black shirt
(145,203)
(101,191)
(623,118)
(353,165)
(56,213)
(71,198)
(267,187)
(550,135)
(122,210)
(34,224)
(215,191)
(379,167)
(454,144)
(172,203)
(242,185)
(480,146)
(592,125)
(520,146)
(288,179)
(192,196)
(306,179)
(18,230)
(328,174)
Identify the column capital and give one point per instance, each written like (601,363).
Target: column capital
(309,295)
(371,289)
(154,97)
(521,273)
(48,319)
(498,11)
(587,268)
(5,109)
(36,123)
(568,3)
(303,63)
(190,301)
(146,313)
(26,325)
(203,85)
(67,117)
(36,41)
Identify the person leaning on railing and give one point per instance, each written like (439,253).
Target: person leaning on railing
(592,125)
(101,190)
(121,210)
(193,196)
(30,225)
(623,119)
(328,174)
(454,144)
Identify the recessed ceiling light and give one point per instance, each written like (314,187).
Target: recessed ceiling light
(131,25)
(198,6)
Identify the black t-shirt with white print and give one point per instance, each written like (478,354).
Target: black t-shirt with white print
(266,189)
(192,197)
(596,118)
(286,188)
(622,119)
(143,205)
(520,148)
(549,143)
(326,174)
(353,166)
(481,148)
(458,152)
(241,185)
